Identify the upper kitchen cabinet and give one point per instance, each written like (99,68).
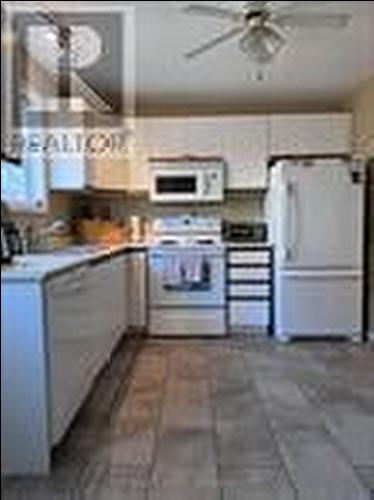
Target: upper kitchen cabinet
(245,147)
(204,136)
(110,174)
(245,142)
(70,169)
(138,175)
(155,137)
(167,137)
(109,169)
(310,134)
(241,140)
(93,160)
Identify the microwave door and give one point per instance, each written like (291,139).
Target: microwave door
(174,187)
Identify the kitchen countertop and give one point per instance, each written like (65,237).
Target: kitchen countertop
(42,266)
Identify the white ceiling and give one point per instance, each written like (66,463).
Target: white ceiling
(318,67)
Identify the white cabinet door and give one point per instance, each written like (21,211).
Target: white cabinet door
(245,142)
(310,134)
(155,137)
(108,282)
(110,173)
(110,166)
(241,141)
(70,169)
(103,308)
(138,180)
(70,334)
(204,136)
(68,172)
(137,290)
(167,137)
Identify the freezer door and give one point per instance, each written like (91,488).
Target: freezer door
(317,211)
(318,304)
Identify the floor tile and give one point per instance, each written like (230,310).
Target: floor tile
(184,493)
(185,457)
(257,484)
(221,419)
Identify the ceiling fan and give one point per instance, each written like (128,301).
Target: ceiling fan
(261,26)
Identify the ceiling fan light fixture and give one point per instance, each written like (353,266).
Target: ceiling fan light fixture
(262,43)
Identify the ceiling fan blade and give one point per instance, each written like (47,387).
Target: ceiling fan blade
(311,20)
(213,43)
(212,11)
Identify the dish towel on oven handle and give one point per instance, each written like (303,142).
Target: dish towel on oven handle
(193,269)
(184,271)
(172,271)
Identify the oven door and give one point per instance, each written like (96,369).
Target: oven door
(173,186)
(186,277)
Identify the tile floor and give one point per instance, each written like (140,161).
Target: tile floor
(233,419)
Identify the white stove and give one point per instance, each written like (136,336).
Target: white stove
(187,277)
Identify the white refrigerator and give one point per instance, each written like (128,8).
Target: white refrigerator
(316,219)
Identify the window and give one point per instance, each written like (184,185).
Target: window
(24,184)
(13,183)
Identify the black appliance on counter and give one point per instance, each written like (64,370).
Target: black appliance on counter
(6,256)
(11,242)
(245,232)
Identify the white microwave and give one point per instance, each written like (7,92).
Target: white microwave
(187,180)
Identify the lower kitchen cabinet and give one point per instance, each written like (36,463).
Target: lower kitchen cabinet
(109,289)
(52,352)
(72,345)
(86,318)
(250,289)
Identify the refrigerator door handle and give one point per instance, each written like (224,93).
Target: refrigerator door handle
(290,229)
(285,255)
(296,226)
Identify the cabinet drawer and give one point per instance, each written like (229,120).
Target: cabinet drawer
(249,274)
(255,314)
(250,258)
(249,290)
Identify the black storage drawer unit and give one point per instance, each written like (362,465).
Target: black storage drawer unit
(250,291)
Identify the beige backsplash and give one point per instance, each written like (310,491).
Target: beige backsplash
(244,206)
(237,207)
